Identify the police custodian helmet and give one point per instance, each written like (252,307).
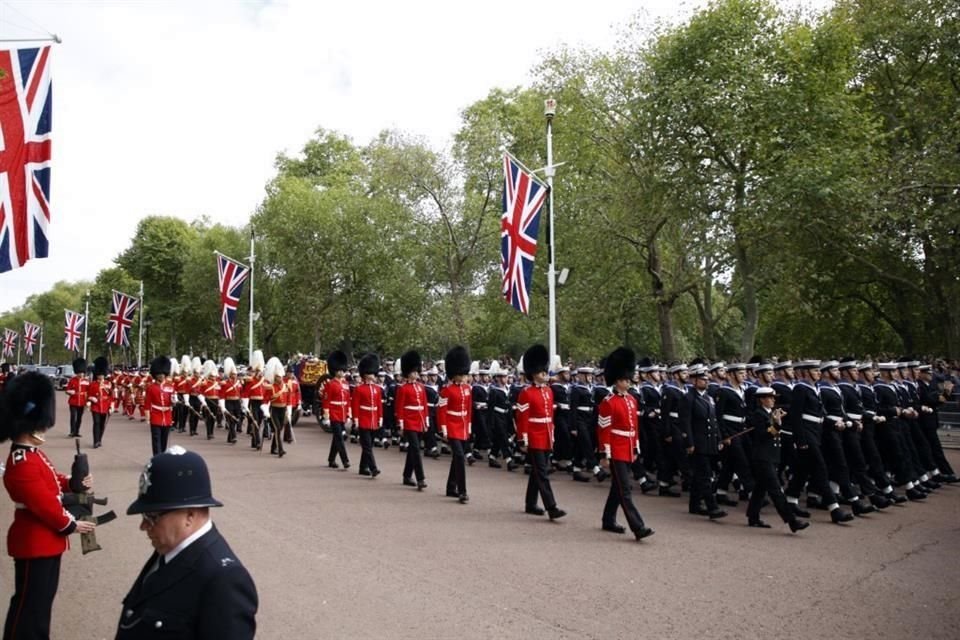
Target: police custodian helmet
(174,479)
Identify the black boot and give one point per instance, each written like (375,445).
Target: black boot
(840,516)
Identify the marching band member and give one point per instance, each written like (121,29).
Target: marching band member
(251,399)
(275,404)
(231,390)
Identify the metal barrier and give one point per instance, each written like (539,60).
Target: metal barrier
(950,424)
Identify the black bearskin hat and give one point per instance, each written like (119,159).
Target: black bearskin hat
(369,364)
(336,361)
(160,365)
(101,367)
(457,362)
(410,362)
(535,360)
(27,404)
(79,366)
(620,365)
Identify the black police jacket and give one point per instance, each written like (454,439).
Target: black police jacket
(698,418)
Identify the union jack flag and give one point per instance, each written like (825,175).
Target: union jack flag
(73,329)
(121,318)
(9,342)
(25,120)
(31,335)
(523,198)
(232,276)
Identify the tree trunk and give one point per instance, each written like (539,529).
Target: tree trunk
(668,345)
(744,266)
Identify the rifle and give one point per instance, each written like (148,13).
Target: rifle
(258,428)
(79,502)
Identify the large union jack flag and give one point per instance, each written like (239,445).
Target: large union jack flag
(232,275)
(9,342)
(121,318)
(25,119)
(31,336)
(73,329)
(523,198)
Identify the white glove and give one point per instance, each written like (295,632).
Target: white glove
(186,398)
(427,422)
(326,422)
(289,414)
(222,404)
(245,403)
(202,399)
(174,399)
(265,408)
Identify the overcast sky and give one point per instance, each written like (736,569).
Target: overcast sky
(179,108)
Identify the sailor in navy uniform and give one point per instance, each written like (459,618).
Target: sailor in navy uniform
(193,586)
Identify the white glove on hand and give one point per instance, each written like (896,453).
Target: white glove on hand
(326,422)
(222,404)
(289,414)
(245,403)
(265,408)
(202,399)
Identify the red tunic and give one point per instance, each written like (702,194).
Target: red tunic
(296,398)
(336,400)
(455,411)
(534,417)
(368,406)
(277,393)
(159,398)
(231,389)
(100,396)
(617,427)
(253,389)
(77,389)
(211,389)
(40,523)
(410,406)
(183,387)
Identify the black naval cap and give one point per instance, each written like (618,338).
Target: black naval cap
(174,479)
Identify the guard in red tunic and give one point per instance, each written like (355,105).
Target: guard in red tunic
(534,419)
(197,401)
(210,388)
(411,410)
(336,407)
(368,412)
(160,399)
(454,416)
(182,385)
(296,400)
(77,389)
(38,535)
(101,399)
(231,390)
(275,407)
(252,397)
(618,437)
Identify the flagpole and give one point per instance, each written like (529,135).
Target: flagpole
(40,357)
(86,321)
(549,110)
(140,332)
(252,261)
(19,344)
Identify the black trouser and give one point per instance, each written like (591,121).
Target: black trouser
(279,416)
(457,478)
(893,457)
(871,452)
(414,463)
(620,497)
(181,413)
(337,447)
(234,408)
(367,461)
(584,450)
(837,468)
(650,448)
(195,414)
(430,433)
(481,435)
(35,586)
(76,419)
(210,418)
(255,428)
(701,475)
(929,429)
(673,459)
(158,438)
(501,439)
(563,442)
(99,426)
(857,461)
(922,445)
(767,483)
(811,470)
(539,482)
(736,460)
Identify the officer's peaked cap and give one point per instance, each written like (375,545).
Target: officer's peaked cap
(174,479)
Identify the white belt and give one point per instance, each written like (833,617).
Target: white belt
(541,420)
(156,407)
(625,434)
(365,407)
(338,402)
(855,416)
(836,418)
(480,405)
(673,414)
(584,408)
(459,414)
(414,407)
(869,413)
(501,410)
(811,418)
(563,405)
(736,419)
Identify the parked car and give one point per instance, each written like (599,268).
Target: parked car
(64,373)
(48,370)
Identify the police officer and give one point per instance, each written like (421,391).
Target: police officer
(219,600)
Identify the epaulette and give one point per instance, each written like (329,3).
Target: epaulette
(19,455)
